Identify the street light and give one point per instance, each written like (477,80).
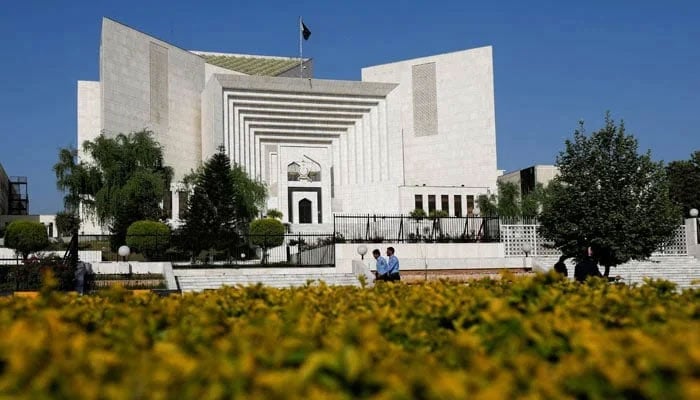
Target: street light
(124,251)
(694,214)
(527,262)
(362,250)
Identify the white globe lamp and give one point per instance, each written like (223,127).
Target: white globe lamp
(362,250)
(124,251)
(527,249)
(693,212)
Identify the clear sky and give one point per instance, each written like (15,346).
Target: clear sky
(555,63)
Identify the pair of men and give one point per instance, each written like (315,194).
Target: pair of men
(387,270)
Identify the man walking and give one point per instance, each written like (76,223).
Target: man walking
(392,265)
(380,273)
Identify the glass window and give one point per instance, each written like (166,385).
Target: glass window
(458,205)
(445,203)
(470,205)
(419,202)
(431,203)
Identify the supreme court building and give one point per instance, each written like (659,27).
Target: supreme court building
(411,134)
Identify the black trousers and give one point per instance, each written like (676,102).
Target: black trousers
(394,276)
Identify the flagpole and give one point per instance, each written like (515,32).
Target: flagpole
(301,51)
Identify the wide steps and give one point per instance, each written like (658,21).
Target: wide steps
(684,271)
(205,282)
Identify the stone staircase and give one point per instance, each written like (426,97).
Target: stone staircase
(684,271)
(196,283)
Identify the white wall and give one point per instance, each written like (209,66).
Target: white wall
(463,152)
(89,113)
(415,256)
(126,69)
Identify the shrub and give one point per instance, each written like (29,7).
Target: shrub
(266,233)
(26,237)
(535,337)
(439,214)
(418,213)
(274,213)
(151,238)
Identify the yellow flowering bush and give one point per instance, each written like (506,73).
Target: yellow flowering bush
(534,337)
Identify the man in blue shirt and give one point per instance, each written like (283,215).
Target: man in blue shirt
(381,265)
(392,272)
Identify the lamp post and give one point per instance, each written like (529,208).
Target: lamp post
(124,252)
(362,250)
(527,261)
(694,215)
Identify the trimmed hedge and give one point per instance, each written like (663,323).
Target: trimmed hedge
(26,237)
(267,232)
(537,337)
(150,238)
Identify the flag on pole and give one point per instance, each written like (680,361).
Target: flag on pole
(305,32)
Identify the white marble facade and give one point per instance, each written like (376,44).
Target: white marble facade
(416,127)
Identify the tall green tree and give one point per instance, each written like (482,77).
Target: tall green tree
(684,182)
(122,181)
(608,197)
(223,202)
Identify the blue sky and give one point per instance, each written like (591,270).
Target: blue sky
(554,63)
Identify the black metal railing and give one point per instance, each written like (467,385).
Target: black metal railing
(293,249)
(407,229)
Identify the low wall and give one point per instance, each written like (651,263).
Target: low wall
(431,256)
(252,271)
(7,256)
(134,267)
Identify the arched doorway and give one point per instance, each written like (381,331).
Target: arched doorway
(305,211)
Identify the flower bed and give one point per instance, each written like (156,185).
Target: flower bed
(535,337)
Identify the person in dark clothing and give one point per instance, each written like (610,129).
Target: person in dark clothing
(585,268)
(560,266)
(589,267)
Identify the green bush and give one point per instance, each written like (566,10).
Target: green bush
(439,214)
(26,237)
(151,238)
(267,232)
(418,213)
(274,213)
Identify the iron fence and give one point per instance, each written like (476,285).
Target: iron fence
(293,249)
(407,229)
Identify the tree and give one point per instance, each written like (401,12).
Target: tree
(274,213)
(510,202)
(67,223)
(266,233)
(26,237)
(608,197)
(151,238)
(123,181)
(684,183)
(224,201)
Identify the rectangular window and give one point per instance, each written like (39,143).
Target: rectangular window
(168,204)
(419,202)
(470,205)
(445,203)
(458,205)
(182,197)
(431,203)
